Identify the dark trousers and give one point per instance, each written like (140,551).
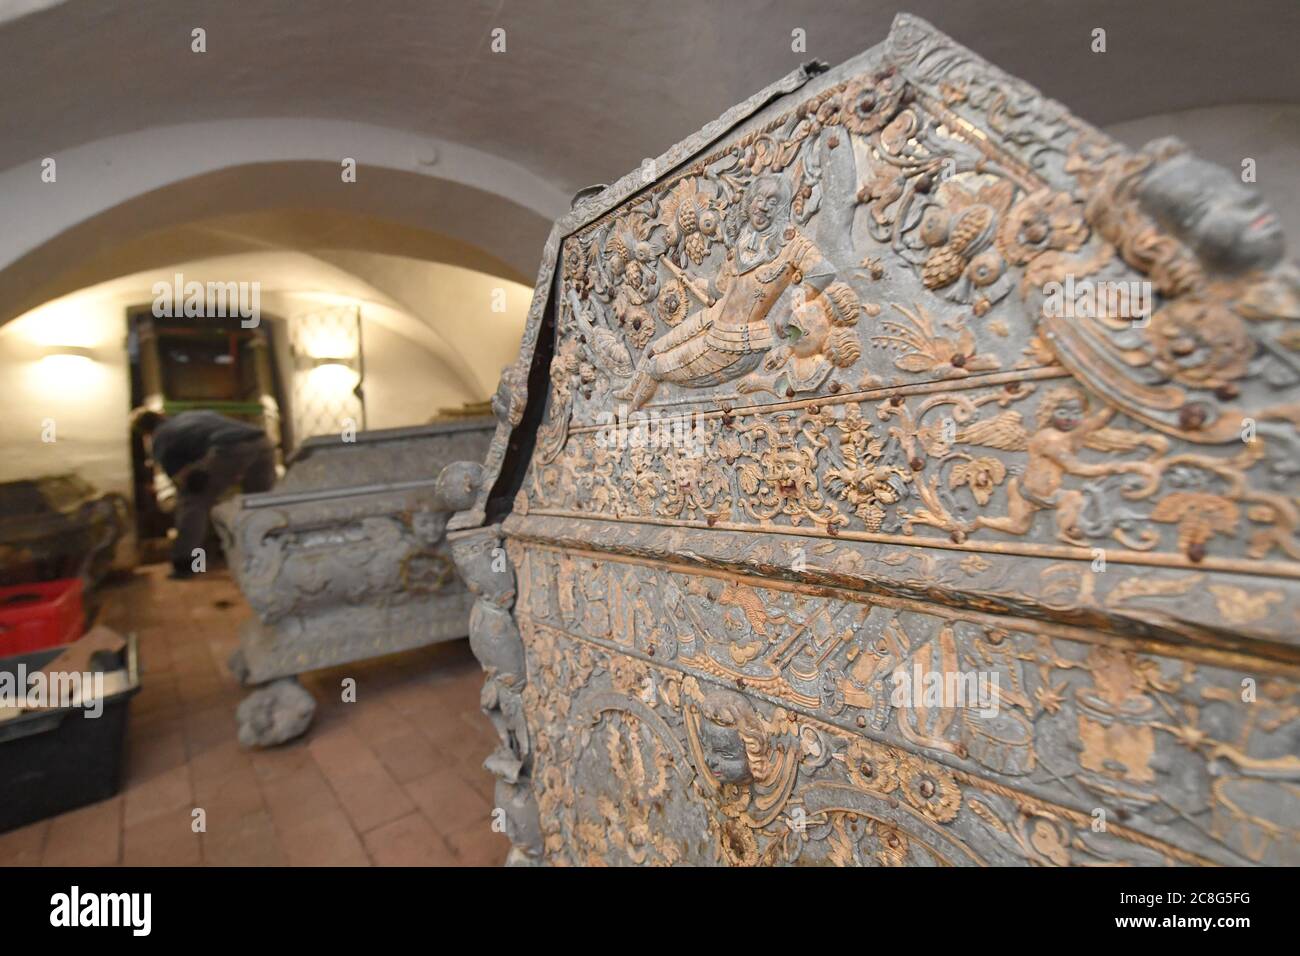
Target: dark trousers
(249,464)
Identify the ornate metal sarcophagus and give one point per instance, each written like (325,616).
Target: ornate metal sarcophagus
(346,560)
(58,526)
(898,471)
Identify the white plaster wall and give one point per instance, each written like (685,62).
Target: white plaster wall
(408,379)
(400,391)
(86,399)
(482,315)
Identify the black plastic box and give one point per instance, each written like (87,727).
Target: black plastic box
(56,760)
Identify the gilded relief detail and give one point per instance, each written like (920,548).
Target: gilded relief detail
(771,719)
(813,285)
(1033,462)
(900,370)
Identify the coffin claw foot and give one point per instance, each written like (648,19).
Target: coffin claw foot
(275,714)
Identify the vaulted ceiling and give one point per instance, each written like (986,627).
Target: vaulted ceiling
(476,147)
(585,88)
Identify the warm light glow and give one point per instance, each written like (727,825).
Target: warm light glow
(66,367)
(331,344)
(62,378)
(63,323)
(330,335)
(331,378)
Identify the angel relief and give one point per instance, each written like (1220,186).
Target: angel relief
(734,330)
(753,267)
(1065,426)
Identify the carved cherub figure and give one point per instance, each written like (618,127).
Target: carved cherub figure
(724,751)
(730,336)
(820,339)
(507,400)
(1064,428)
(750,762)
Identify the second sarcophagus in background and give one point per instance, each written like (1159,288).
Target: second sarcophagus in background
(899,471)
(58,526)
(346,558)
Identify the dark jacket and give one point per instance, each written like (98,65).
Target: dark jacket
(186,438)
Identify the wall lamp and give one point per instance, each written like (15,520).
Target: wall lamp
(70,351)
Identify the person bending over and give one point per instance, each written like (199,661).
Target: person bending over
(204,454)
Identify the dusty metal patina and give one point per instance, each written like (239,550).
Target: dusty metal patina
(346,560)
(934,379)
(58,526)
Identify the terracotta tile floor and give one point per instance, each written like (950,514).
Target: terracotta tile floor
(395,779)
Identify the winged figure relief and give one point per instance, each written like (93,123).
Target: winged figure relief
(734,330)
(1064,426)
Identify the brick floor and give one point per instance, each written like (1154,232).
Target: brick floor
(394,779)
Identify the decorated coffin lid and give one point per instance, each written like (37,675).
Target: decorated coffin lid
(383,455)
(908,326)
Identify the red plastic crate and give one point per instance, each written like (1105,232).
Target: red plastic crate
(40,615)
